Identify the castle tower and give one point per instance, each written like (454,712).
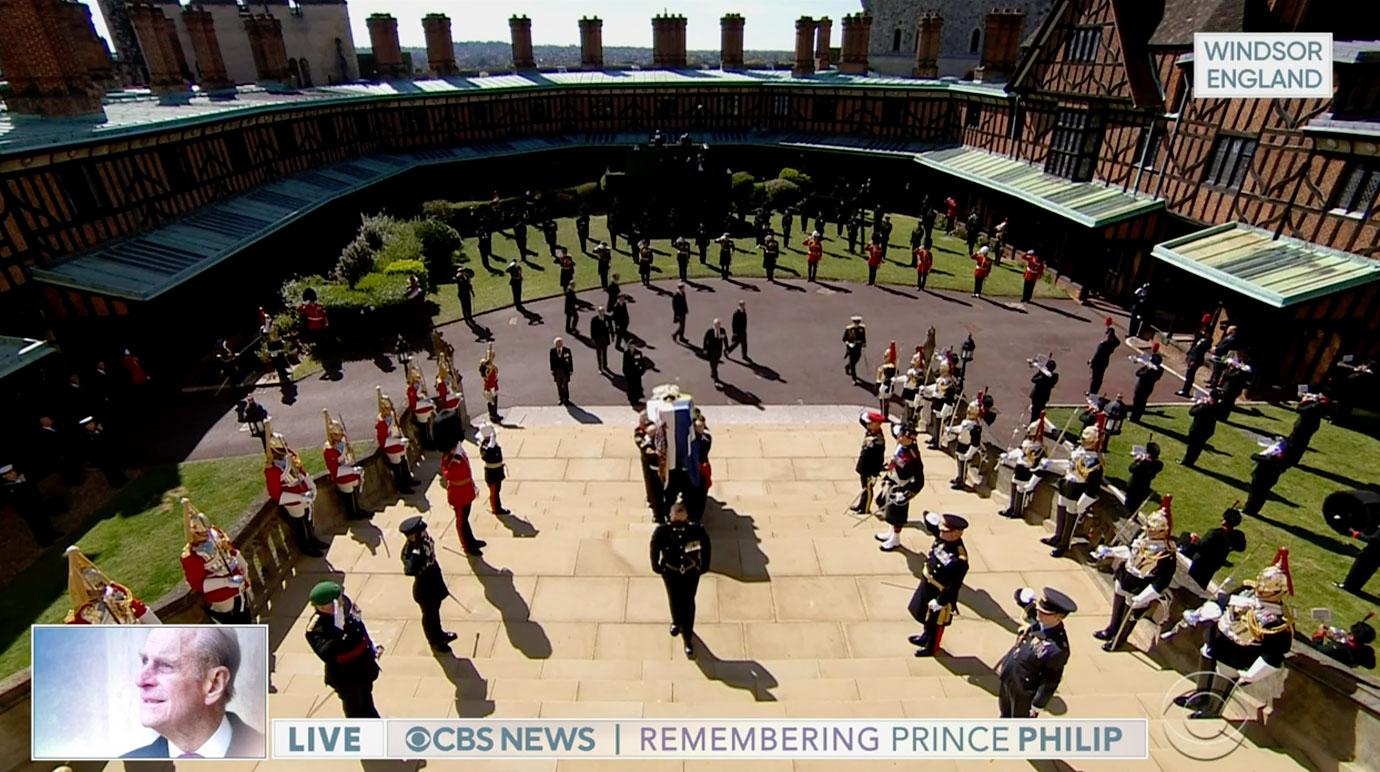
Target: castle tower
(440,47)
(521,29)
(210,63)
(824,31)
(162,53)
(804,46)
(927,35)
(857,29)
(731,42)
(383,37)
(591,43)
(47,77)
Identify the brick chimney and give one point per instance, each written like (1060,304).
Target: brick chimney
(47,78)
(265,35)
(383,39)
(804,46)
(731,41)
(1002,46)
(824,33)
(440,47)
(668,42)
(89,48)
(521,29)
(162,53)
(210,63)
(857,28)
(592,43)
(927,34)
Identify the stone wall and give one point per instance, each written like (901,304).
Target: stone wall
(961,18)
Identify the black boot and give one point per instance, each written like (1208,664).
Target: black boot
(1111,633)
(307,542)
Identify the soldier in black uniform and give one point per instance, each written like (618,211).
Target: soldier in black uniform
(871,458)
(680,310)
(771,252)
(520,236)
(905,476)
(1209,553)
(1144,467)
(787,220)
(485,245)
(1142,576)
(495,471)
(936,598)
(572,310)
(1042,385)
(1204,414)
(682,246)
(338,636)
(1270,463)
(855,340)
(1232,385)
(599,338)
(1147,375)
(680,553)
(603,257)
(1032,669)
(1102,356)
(515,283)
(702,243)
(428,586)
(1313,407)
(1193,359)
(582,230)
(464,288)
(644,437)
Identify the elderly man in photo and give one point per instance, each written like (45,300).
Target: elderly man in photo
(186,680)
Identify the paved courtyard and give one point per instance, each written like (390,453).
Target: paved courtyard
(801,615)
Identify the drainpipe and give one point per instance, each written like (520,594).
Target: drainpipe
(1173,135)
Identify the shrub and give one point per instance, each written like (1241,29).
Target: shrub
(402,243)
(439,245)
(356,259)
(407,268)
(804,181)
(742,188)
(384,289)
(375,229)
(782,193)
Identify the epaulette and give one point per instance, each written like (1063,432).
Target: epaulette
(315,619)
(963,553)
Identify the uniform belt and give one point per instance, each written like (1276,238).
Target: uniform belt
(682,570)
(493,464)
(353,653)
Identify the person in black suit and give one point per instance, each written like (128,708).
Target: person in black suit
(739,323)
(634,365)
(680,552)
(599,338)
(428,585)
(562,367)
(185,683)
(1102,356)
(715,344)
(680,309)
(1225,346)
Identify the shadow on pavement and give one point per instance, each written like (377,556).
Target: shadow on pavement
(746,674)
(524,634)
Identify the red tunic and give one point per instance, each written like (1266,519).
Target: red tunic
(983,267)
(459,481)
(389,444)
(874,255)
(332,455)
(1034,268)
(491,379)
(816,251)
(273,477)
(924,261)
(211,578)
(314,315)
(444,398)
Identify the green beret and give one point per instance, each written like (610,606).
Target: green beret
(324,593)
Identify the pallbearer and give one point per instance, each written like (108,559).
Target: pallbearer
(936,598)
(450,403)
(214,569)
(1079,488)
(96,600)
(292,488)
(1033,668)
(1143,574)
(340,463)
(420,404)
(1026,461)
(428,585)
(389,434)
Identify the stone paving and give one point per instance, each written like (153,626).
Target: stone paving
(801,615)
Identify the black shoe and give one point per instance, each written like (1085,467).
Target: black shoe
(1205,713)
(407,491)
(958,486)
(1181,394)
(675,630)
(1108,646)
(474,553)
(924,652)
(689,651)
(448,637)
(1007,513)
(1103,635)
(502,511)
(916,640)
(1049,540)
(480,544)
(321,545)
(1057,552)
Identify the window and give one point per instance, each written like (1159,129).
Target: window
(1148,146)
(1083,42)
(731,104)
(896,40)
(1231,157)
(1356,194)
(1073,153)
(974,41)
(781,104)
(973,118)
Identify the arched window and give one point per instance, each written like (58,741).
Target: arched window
(896,40)
(974,41)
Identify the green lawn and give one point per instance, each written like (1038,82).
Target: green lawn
(136,539)
(953,269)
(1338,459)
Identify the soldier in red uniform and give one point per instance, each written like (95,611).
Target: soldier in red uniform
(488,371)
(815,246)
(96,600)
(981,268)
(874,261)
(292,489)
(1034,269)
(340,463)
(214,569)
(924,261)
(389,434)
(460,491)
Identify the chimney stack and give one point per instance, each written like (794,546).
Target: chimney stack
(383,39)
(927,36)
(592,43)
(857,28)
(265,35)
(210,62)
(1002,47)
(440,47)
(521,29)
(162,53)
(47,77)
(824,32)
(88,47)
(731,42)
(804,46)
(668,42)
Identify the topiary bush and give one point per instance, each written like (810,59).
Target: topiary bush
(781,193)
(406,268)
(802,180)
(375,229)
(439,243)
(356,259)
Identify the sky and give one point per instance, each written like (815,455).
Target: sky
(769,24)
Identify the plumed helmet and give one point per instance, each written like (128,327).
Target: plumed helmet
(85,582)
(943,367)
(277,445)
(1271,583)
(1090,438)
(1157,525)
(974,410)
(195,524)
(1035,430)
(335,430)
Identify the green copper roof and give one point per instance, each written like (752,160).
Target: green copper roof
(143,267)
(1086,203)
(18,353)
(1277,271)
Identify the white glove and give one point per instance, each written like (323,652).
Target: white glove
(1025,596)
(1258,670)
(932,518)
(1101,552)
(935,607)
(1210,612)
(1145,598)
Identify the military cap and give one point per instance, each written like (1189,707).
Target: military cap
(324,592)
(901,429)
(1053,601)
(952,522)
(412,524)
(1232,516)
(6,469)
(1363,633)
(871,417)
